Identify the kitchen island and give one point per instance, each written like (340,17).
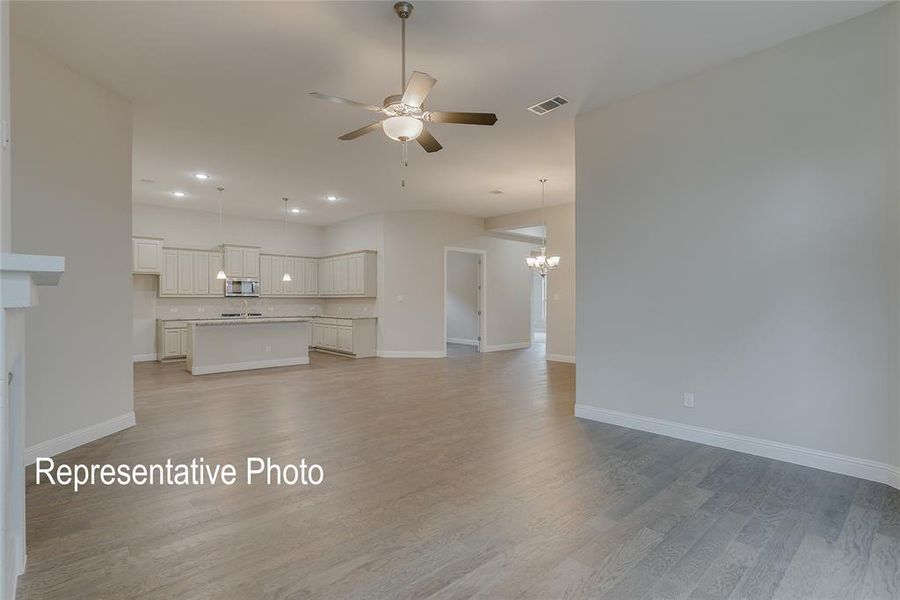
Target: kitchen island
(240,344)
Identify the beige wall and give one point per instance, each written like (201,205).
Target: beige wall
(183,227)
(561,282)
(71,190)
(738,239)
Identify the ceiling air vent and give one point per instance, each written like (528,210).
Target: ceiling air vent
(542,108)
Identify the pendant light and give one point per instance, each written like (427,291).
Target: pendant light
(286,276)
(221,273)
(543,264)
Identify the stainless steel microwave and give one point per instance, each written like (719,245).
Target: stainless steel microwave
(242,287)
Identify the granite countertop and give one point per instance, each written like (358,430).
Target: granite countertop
(245,321)
(285,319)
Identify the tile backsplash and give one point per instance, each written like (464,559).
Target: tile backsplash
(197,308)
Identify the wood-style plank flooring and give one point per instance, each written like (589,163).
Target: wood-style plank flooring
(457,478)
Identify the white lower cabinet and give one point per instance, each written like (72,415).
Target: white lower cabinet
(171,339)
(353,337)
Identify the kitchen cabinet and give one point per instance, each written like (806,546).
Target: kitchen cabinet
(352,274)
(312,276)
(241,262)
(172,340)
(326,276)
(216,286)
(168,279)
(146,255)
(302,271)
(341,286)
(185,273)
(188,273)
(201,273)
(352,337)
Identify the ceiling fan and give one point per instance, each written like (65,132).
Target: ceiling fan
(404,115)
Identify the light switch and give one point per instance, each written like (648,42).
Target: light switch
(556,296)
(401,298)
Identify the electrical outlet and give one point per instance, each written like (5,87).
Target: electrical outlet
(271,308)
(688,400)
(268,348)
(201,310)
(173,310)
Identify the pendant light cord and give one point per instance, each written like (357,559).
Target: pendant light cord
(221,228)
(284,226)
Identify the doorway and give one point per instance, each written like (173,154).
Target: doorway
(539,311)
(464,306)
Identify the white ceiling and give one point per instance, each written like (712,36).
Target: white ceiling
(222,87)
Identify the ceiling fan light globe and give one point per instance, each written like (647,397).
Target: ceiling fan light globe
(530,261)
(402,128)
(553,262)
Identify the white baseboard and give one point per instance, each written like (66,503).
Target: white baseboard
(412,354)
(77,438)
(502,347)
(462,341)
(249,365)
(566,358)
(144,357)
(808,457)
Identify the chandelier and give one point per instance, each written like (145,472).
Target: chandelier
(543,264)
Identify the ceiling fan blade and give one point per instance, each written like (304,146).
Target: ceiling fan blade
(339,100)
(361,131)
(427,141)
(466,118)
(417,88)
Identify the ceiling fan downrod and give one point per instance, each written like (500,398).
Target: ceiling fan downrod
(403,10)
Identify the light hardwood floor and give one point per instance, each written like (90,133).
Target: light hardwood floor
(448,478)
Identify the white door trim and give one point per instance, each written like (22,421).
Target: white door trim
(482,296)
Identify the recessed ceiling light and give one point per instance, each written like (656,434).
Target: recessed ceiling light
(178,194)
(201,175)
(496,192)
(331,198)
(295,210)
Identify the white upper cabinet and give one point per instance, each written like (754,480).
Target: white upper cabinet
(303,272)
(190,273)
(168,279)
(241,262)
(341,287)
(326,277)
(146,255)
(355,275)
